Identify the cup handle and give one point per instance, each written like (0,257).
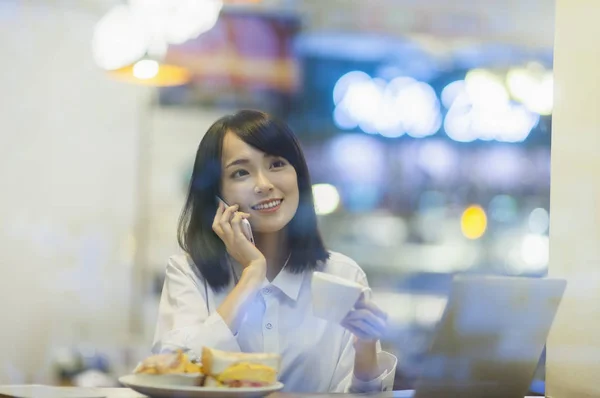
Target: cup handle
(364,291)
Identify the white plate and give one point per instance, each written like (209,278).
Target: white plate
(162,391)
(41,391)
(181,379)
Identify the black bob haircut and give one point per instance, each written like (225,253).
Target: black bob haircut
(195,234)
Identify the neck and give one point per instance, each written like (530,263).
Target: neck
(274,247)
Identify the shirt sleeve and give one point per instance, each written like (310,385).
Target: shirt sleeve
(343,378)
(183,317)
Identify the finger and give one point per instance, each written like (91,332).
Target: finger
(217,219)
(352,329)
(365,315)
(227,232)
(358,333)
(242,214)
(229,212)
(217,229)
(368,317)
(361,299)
(371,331)
(225,221)
(220,208)
(236,225)
(371,307)
(362,330)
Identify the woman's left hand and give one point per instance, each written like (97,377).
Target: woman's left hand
(366,321)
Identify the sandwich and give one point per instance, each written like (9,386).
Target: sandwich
(171,363)
(238,369)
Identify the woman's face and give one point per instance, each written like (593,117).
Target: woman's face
(263,185)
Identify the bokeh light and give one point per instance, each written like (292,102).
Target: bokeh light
(535,251)
(119,39)
(357,158)
(533,86)
(503,208)
(480,109)
(382,229)
(391,109)
(128,32)
(539,221)
(438,158)
(145,69)
(327,198)
(485,88)
(451,92)
(473,222)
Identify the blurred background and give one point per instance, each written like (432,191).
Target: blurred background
(426,127)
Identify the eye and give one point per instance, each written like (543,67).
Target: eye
(239,173)
(278,163)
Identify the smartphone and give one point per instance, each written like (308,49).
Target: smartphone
(246,229)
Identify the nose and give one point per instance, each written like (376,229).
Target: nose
(263,184)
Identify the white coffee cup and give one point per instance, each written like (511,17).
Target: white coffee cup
(334,297)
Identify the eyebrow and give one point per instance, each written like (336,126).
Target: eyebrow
(246,161)
(237,162)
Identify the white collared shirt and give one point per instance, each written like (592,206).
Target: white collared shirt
(316,355)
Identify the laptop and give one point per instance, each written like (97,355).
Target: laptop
(490,338)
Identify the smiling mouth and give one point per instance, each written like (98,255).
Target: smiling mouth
(270,205)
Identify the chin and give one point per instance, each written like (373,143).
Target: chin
(268,224)
(268,228)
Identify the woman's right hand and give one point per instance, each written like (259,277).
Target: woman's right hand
(227,226)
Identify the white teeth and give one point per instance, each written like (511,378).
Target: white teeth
(268,205)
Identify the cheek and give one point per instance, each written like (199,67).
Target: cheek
(234,193)
(290,184)
(292,193)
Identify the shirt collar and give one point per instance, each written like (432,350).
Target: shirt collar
(289,283)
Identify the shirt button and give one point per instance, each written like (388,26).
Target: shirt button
(269,326)
(267,290)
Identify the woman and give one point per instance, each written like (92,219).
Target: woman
(230,294)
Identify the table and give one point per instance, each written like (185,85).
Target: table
(76,392)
